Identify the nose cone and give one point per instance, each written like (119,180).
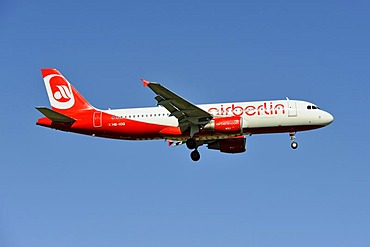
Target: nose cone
(327,118)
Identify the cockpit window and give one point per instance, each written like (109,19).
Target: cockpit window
(309,107)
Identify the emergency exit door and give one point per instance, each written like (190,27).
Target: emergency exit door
(97,119)
(292,108)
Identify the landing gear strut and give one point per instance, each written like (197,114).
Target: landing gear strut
(294,144)
(195,155)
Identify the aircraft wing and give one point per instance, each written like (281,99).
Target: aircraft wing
(187,113)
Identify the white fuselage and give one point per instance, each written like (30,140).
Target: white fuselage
(273,115)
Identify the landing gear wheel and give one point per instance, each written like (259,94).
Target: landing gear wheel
(294,145)
(195,155)
(191,143)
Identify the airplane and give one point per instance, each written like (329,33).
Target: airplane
(220,126)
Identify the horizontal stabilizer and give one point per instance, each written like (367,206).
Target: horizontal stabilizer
(55,116)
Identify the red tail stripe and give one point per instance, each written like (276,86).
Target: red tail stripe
(46,72)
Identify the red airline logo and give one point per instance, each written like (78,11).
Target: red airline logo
(236,110)
(59,91)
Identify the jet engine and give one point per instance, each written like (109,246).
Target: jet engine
(227,125)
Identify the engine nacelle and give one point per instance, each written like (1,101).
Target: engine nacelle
(232,146)
(232,124)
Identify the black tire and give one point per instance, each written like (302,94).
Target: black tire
(191,143)
(195,155)
(294,145)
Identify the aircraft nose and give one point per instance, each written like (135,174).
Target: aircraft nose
(327,118)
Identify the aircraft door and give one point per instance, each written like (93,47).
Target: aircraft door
(292,108)
(97,119)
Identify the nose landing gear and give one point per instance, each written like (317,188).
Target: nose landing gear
(294,144)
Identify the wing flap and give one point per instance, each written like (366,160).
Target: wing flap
(55,116)
(166,104)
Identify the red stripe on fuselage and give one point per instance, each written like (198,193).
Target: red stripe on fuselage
(128,129)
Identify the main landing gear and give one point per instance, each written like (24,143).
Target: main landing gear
(294,144)
(195,155)
(192,144)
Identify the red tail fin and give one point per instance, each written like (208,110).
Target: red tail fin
(63,96)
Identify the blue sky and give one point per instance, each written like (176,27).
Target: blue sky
(62,189)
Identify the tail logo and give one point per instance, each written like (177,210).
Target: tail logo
(59,91)
(62,94)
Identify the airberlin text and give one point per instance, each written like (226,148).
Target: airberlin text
(265,108)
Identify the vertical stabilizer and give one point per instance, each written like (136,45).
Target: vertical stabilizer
(62,95)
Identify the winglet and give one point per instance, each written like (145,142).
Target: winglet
(145,82)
